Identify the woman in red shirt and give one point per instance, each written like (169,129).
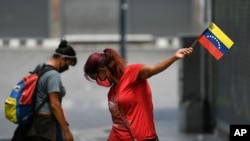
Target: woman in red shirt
(129,97)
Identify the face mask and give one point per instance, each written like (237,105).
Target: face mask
(104,83)
(63,68)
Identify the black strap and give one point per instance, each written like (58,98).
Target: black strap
(40,70)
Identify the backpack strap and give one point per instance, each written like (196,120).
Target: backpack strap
(40,70)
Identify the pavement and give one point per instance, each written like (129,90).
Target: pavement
(167,130)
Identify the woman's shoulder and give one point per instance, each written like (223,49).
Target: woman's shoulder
(134,66)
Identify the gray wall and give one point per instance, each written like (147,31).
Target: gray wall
(230,76)
(157,17)
(89,16)
(23,19)
(161,17)
(27,18)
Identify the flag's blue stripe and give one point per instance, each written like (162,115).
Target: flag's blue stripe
(213,39)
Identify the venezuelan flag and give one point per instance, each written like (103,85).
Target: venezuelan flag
(215,41)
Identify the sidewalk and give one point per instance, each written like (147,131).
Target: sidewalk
(167,130)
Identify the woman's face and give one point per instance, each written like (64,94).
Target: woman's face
(102,78)
(100,74)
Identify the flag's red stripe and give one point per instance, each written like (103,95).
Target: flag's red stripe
(210,47)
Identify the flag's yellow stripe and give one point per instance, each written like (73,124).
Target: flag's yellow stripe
(220,35)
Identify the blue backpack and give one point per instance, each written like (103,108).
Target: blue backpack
(19,106)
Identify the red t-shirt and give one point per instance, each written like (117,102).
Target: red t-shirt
(134,100)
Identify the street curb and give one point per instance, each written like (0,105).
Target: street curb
(28,42)
(160,42)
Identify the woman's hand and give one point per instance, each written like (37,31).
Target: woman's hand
(184,52)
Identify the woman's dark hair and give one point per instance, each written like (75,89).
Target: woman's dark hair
(109,58)
(93,63)
(66,50)
(114,62)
